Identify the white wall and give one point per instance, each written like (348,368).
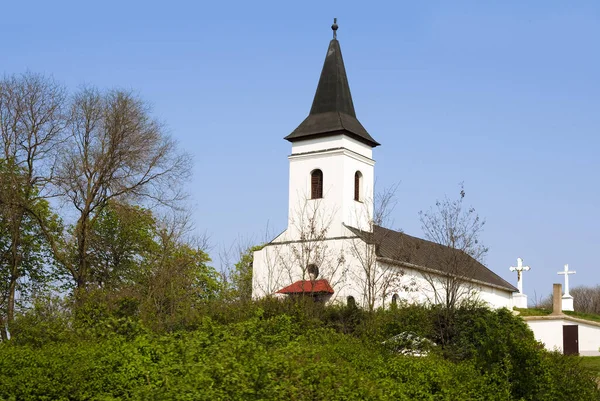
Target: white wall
(332,142)
(420,290)
(279,265)
(550,332)
(274,269)
(339,158)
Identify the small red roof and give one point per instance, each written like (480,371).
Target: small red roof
(304,286)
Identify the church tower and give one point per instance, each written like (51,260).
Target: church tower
(331,164)
(331,240)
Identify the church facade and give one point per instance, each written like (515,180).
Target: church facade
(332,248)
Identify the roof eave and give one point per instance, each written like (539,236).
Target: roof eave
(509,288)
(315,135)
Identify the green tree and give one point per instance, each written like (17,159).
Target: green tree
(121,238)
(114,151)
(145,267)
(175,279)
(241,276)
(31,127)
(25,258)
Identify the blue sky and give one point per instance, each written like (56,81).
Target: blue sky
(504,96)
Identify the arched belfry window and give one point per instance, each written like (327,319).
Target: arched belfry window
(357,185)
(316,184)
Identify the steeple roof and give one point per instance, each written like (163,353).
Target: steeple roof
(332,111)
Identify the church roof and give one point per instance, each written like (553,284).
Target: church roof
(406,249)
(332,111)
(304,286)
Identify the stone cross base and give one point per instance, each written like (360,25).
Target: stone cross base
(567,302)
(519,300)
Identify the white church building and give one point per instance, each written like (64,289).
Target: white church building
(332,250)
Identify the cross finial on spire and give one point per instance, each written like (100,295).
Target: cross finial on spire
(334,27)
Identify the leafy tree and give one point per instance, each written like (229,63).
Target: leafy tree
(25,258)
(146,268)
(115,151)
(241,277)
(31,127)
(175,281)
(121,238)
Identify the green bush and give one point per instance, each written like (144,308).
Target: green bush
(256,359)
(282,350)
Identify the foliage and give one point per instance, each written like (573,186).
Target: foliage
(594,317)
(241,278)
(49,320)
(122,236)
(114,151)
(533,311)
(592,363)
(104,155)
(271,349)
(582,315)
(175,284)
(255,359)
(148,318)
(25,258)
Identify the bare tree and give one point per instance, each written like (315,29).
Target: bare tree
(32,122)
(116,151)
(311,254)
(377,279)
(274,277)
(585,299)
(304,252)
(457,227)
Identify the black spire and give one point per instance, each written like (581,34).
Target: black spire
(332,111)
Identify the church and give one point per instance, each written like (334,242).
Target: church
(332,249)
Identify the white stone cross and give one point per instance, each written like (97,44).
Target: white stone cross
(519,269)
(566,273)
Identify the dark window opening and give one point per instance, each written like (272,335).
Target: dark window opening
(357,182)
(313,272)
(395,300)
(316,184)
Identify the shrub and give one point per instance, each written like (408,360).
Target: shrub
(282,350)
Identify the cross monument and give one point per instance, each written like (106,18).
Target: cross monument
(520,299)
(567,299)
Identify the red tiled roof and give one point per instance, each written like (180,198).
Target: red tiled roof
(304,286)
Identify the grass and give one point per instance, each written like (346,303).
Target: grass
(533,312)
(587,316)
(592,363)
(544,312)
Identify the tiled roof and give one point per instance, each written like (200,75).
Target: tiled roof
(403,248)
(303,286)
